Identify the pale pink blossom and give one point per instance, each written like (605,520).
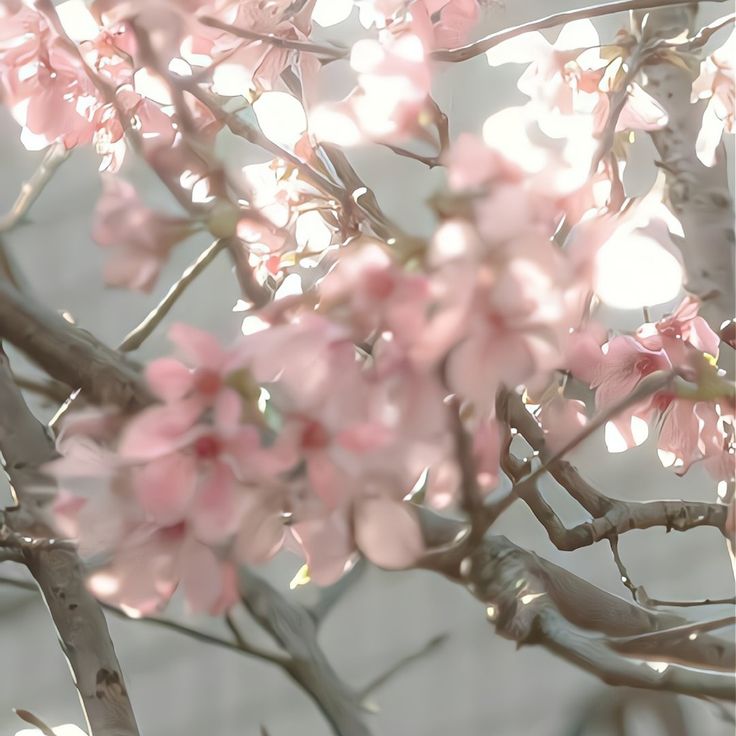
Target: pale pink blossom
(137,238)
(624,364)
(394,82)
(562,420)
(570,78)
(203,374)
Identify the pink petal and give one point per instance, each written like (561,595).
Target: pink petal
(261,532)
(562,420)
(387,532)
(198,347)
(327,545)
(169,379)
(216,510)
(201,576)
(165,488)
(159,430)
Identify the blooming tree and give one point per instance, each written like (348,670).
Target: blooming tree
(391,395)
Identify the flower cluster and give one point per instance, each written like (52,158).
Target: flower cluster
(693,426)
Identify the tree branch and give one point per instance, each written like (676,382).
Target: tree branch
(328,52)
(533,601)
(79,621)
(134,339)
(53,157)
(67,353)
(469,51)
(295,630)
(698,194)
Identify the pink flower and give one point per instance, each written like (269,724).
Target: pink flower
(562,420)
(57,102)
(203,374)
(682,335)
(145,572)
(624,363)
(393,84)
(369,291)
(139,239)
(196,472)
(568,78)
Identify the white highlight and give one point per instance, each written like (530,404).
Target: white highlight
(231,80)
(635,271)
(281,117)
(328,13)
(616,442)
(79,24)
(151,85)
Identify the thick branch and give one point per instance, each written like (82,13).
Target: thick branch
(699,195)
(296,631)
(79,622)
(533,601)
(68,353)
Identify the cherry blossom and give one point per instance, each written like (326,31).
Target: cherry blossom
(138,238)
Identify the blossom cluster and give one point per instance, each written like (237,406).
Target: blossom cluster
(336,413)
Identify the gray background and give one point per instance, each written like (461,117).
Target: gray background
(476,683)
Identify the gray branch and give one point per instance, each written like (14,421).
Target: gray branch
(295,630)
(79,621)
(67,353)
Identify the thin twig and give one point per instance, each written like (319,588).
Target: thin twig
(239,645)
(476,48)
(28,717)
(656,602)
(134,339)
(329,52)
(434,643)
(53,158)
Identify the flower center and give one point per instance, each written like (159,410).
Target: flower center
(207,381)
(646,365)
(379,284)
(207,447)
(314,436)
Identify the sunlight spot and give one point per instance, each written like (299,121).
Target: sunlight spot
(333,126)
(658,666)
(253,324)
(634,271)
(79,24)
(151,85)
(667,458)
(328,13)
(103,584)
(491,613)
(281,117)
(263,397)
(301,578)
(290,286)
(312,232)
(529,597)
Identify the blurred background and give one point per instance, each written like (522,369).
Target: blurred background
(474,683)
